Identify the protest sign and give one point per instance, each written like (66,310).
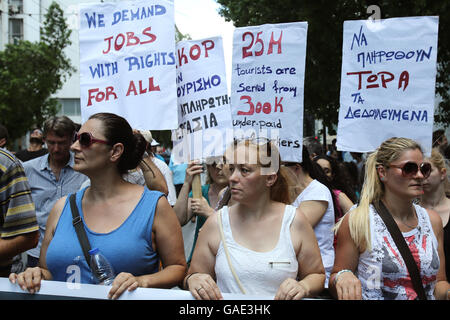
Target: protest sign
(267,84)
(387,82)
(127,62)
(205,128)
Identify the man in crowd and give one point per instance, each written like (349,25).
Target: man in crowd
(35,149)
(18,224)
(51,176)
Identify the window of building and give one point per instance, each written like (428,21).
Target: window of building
(70,107)
(15,7)
(15,30)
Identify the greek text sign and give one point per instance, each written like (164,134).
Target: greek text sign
(204,114)
(387,82)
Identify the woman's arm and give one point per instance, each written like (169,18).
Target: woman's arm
(310,267)
(200,279)
(154,179)
(31,278)
(182,207)
(347,286)
(345,202)
(170,248)
(313,210)
(442,286)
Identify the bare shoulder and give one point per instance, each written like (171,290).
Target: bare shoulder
(55,213)
(211,225)
(300,220)
(210,232)
(435,219)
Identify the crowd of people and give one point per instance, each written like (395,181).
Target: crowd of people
(335,226)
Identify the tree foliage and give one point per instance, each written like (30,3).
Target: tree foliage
(324,44)
(31,72)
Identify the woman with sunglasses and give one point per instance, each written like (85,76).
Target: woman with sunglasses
(368,264)
(434,198)
(132,226)
(261,244)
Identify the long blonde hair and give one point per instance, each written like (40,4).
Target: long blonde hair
(373,189)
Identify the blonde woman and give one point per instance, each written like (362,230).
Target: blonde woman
(434,198)
(368,264)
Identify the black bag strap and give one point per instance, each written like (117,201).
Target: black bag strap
(400,242)
(79,228)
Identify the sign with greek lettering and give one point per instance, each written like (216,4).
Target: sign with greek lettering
(387,82)
(267,84)
(204,114)
(127,62)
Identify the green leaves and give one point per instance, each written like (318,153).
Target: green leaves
(324,45)
(30,73)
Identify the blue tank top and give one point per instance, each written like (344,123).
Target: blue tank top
(128,248)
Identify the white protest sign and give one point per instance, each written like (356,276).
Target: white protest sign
(387,82)
(127,62)
(205,128)
(267,84)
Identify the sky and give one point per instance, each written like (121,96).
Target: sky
(200,19)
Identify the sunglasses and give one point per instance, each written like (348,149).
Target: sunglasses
(86,139)
(410,169)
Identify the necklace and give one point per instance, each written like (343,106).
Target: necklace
(407,225)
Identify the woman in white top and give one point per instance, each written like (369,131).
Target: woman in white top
(368,264)
(316,201)
(270,243)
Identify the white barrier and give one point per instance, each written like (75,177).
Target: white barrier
(91,291)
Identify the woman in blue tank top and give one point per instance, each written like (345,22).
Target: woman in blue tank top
(132,226)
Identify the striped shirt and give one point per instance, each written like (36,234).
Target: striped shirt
(17,212)
(46,189)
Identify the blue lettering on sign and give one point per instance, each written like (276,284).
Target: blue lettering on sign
(104,69)
(95,19)
(200,84)
(150,60)
(357,97)
(374,57)
(138,14)
(360,39)
(388,114)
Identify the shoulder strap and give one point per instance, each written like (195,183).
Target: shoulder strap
(78,225)
(225,247)
(403,248)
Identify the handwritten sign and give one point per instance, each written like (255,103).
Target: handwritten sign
(387,82)
(205,128)
(127,62)
(267,84)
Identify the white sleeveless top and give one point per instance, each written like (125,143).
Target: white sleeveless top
(324,228)
(382,271)
(261,273)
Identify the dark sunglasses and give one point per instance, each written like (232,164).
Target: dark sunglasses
(86,139)
(410,169)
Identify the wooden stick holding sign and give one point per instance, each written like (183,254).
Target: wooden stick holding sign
(196,187)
